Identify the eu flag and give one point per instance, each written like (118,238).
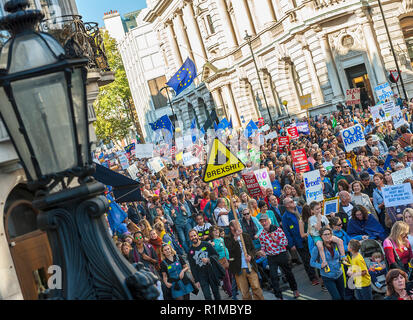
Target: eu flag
(183,77)
(250,129)
(163,123)
(115,214)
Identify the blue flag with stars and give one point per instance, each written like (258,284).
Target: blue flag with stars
(183,78)
(163,123)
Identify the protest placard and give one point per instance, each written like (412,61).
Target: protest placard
(300,160)
(144,151)
(293,132)
(305,101)
(271,135)
(313,187)
(331,206)
(283,142)
(382,112)
(397,195)
(133,170)
(124,162)
(353,137)
(384,92)
(172,174)
(156,164)
(189,159)
(265,128)
(302,127)
(398,119)
(252,184)
(401,175)
(352,96)
(263,178)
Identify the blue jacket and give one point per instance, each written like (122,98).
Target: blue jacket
(333,263)
(377,199)
(292,229)
(343,236)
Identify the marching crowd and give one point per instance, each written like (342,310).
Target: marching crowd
(194,235)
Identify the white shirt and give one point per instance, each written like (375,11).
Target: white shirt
(222,221)
(328,165)
(244,264)
(348,209)
(410,237)
(312,223)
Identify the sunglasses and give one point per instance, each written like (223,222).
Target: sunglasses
(138,238)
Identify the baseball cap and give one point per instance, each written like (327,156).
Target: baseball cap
(375,138)
(401,155)
(264,217)
(392,148)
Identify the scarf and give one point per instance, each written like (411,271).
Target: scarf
(156,243)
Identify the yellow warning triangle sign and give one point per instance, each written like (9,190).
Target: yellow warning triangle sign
(221,162)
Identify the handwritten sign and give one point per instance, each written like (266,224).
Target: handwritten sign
(300,160)
(401,175)
(382,112)
(156,164)
(313,187)
(353,137)
(133,170)
(271,135)
(384,92)
(252,184)
(352,96)
(398,119)
(263,178)
(144,151)
(397,195)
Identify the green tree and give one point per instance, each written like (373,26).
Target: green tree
(112,105)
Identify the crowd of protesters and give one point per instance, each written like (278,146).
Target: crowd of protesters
(195,235)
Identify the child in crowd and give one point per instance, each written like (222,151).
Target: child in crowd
(358,272)
(377,268)
(315,223)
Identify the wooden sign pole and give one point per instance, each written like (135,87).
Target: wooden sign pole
(236,219)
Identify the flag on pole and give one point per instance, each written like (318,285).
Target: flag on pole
(250,129)
(193,130)
(334,124)
(183,77)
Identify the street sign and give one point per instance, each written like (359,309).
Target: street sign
(221,162)
(305,101)
(352,96)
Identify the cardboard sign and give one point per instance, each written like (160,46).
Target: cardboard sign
(172,174)
(353,137)
(331,205)
(401,175)
(124,162)
(144,151)
(398,119)
(306,101)
(133,171)
(384,92)
(271,135)
(382,112)
(397,195)
(263,178)
(156,164)
(283,141)
(293,133)
(352,96)
(189,159)
(313,187)
(300,160)
(221,162)
(252,184)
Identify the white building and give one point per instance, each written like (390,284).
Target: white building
(322,47)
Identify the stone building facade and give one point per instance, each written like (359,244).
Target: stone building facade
(322,47)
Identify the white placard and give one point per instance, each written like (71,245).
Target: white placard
(353,137)
(144,151)
(397,195)
(189,160)
(265,128)
(263,178)
(133,170)
(313,187)
(398,119)
(156,164)
(382,112)
(384,91)
(271,135)
(401,175)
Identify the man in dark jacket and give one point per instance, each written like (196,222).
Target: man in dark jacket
(344,210)
(238,262)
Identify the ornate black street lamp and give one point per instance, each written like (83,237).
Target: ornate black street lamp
(44,109)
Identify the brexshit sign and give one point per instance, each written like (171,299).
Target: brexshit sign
(353,137)
(313,187)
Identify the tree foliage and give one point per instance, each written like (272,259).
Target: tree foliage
(112,105)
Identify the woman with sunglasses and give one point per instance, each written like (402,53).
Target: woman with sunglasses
(173,269)
(332,275)
(252,226)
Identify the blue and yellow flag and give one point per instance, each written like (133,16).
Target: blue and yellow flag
(183,77)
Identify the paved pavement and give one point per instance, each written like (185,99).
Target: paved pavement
(306,289)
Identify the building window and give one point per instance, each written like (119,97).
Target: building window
(210,24)
(159,99)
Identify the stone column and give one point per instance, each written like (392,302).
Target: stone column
(185,47)
(228,28)
(372,49)
(219,102)
(194,36)
(243,18)
(232,108)
(332,72)
(315,81)
(174,44)
(265,12)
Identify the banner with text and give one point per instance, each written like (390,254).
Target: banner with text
(300,160)
(252,184)
(144,151)
(353,137)
(352,96)
(398,195)
(263,178)
(313,187)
